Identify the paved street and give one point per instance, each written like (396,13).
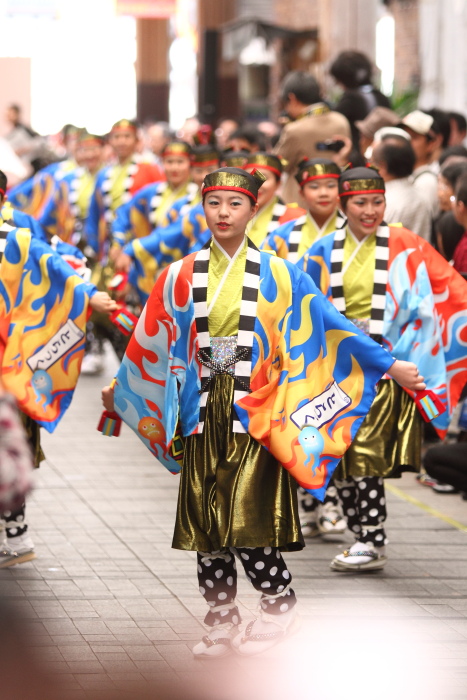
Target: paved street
(109,604)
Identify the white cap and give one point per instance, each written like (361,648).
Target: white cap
(419,122)
(390,131)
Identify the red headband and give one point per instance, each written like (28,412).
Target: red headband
(262,166)
(322,176)
(203,163)
(230,187)
(182,154)
(2,192)
(123,127)
(350,192)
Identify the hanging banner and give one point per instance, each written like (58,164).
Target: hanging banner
(151,9)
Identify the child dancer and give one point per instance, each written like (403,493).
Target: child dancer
(317,179)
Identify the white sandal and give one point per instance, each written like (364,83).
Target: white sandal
(309,528)
(216,643)
(360,557)
(251,642)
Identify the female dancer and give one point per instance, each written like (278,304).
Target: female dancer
(238,349)
(397,289)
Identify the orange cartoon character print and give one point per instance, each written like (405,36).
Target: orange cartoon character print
(153,430)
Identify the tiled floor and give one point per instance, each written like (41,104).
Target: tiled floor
(109,604)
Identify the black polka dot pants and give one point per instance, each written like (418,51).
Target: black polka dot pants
(14,522)
(265,568)
(364,504)
(309,503)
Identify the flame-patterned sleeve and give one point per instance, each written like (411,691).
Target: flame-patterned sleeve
(43,313)
(312,369)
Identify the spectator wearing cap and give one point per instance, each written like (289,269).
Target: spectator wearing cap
(395,159)
(425,138)
(311,122)
(353,71)
(378,118)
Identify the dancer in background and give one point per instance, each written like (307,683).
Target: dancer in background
(317,179)
(396,288)
(116,184)
(149,208)
(43,312)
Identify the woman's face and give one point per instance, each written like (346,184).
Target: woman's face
(227,214)
(269,187)
(123,142)
(322,196)
(364,212)
(89,154)
(199,172)
(177,169)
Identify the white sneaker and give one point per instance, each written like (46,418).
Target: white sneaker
(23,546)
(360,557)
(330,520)
(265,632)
(444,488)
(92,364)
(217,642)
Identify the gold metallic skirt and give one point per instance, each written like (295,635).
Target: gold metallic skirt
(233,493)
(33,435)
(389,440)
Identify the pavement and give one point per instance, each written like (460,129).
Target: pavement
(109,609)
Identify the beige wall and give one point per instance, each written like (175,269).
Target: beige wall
(341,24)
(297,14)
(16,87)
(407,59)
(443,54)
